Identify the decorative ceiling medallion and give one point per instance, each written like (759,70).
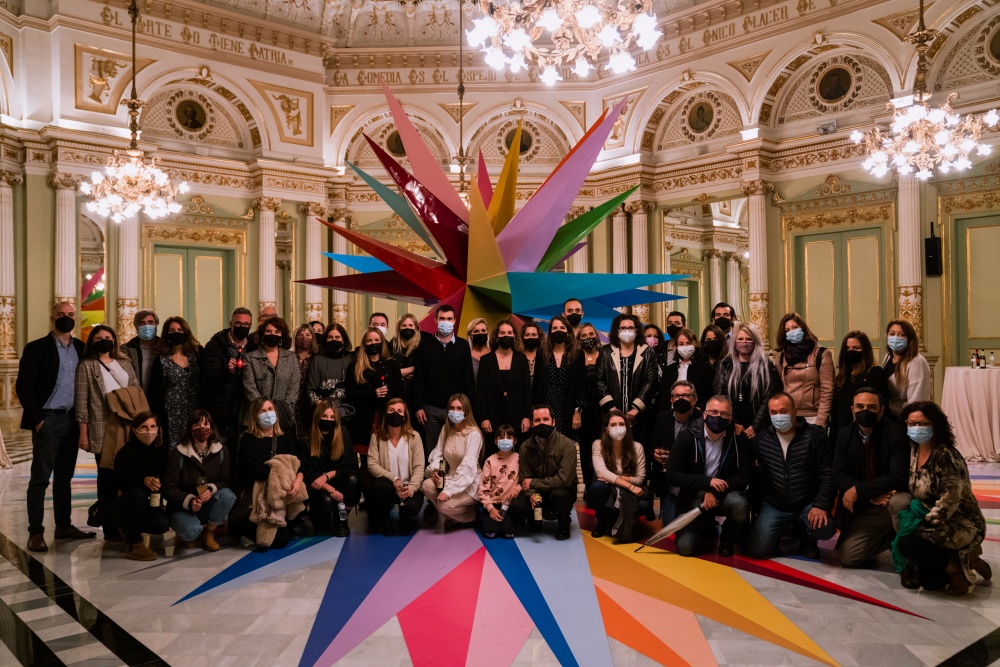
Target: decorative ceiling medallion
(579,111)
(701,114)
(900,23)
(836,84)
(988,47)
(101,77)
(453,109)
(749,66)
(190,115)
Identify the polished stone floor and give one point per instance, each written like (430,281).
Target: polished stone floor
(455,599)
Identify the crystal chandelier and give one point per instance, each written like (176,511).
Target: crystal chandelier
(921,138)
(510,32)
(132,182)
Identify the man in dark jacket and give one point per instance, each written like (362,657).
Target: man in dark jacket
(222,377)
(797,467)
(547,465)
(443,368)
(711,468)
(683,414)
(871,467)
(141,349)
(46,383)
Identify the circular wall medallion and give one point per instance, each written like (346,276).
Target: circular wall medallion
(835,84)
(700,117)
(526,140)
(395,144)
(190,115)
(994,49)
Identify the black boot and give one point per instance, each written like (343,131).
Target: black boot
(340,527)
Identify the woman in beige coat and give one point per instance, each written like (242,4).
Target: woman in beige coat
(806,368)
(396,464)
(460,447)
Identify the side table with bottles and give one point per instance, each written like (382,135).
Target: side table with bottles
(970,398)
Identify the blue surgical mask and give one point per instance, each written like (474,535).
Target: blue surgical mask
(267,419)
(795,336)
(505,444)
(782,423)
(456,416)
(445,328)
(147,332)
(896,343)
(920,434)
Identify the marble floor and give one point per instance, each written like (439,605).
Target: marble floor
(455,599)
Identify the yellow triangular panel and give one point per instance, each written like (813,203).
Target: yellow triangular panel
(485,260)
(505,194)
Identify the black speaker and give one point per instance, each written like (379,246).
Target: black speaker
(932,254)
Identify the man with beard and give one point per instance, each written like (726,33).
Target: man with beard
(222,374)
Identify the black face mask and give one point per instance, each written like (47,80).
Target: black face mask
(532,343)
(717,424)
(682,406)
(506,342)
(574,319)
(327,426)
(333,347)
(395,419)
(866,418)
(673,330)
(177,337)
(724,323)
(589,343)
(240,332)
(853,357)
(371,349)
(65,324)
(407,334)
(712,347)
(479,340)
(271,340)
(559,337)
(104,346)
(542,431)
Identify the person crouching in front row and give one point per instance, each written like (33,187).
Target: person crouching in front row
(331,471)
(396,463)
(498,486)
(459,445)
(618,492)
(138,469)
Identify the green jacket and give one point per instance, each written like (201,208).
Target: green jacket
(549,465)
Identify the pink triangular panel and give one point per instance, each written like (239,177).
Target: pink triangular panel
(437,626)
(502,625)
(455,300)
(485,187)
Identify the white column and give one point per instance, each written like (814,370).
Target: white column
(266,252)
(640,211)
(8,303)
(733,290)
(578,263)
(128,277)
(314,261)
(910,304)
(668,288)
(714,276)
(759,315)
(340,313)
(619,243)
(66,273)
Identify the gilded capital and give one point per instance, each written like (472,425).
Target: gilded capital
(342,214)
(267,203)
(711,253)
(638,206)
(756,186)
(312,208)
(10,178)
(61,181)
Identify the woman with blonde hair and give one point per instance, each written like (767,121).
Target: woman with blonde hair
(907,371)
(396,466)
(749,379)
(478,332)
(331,471)
(457,455)
(372,379)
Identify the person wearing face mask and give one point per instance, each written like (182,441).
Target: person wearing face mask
(561,378)
(263,315)
(380,321)
(408,337)
(939,543)
(46,389)
(460,446)
(658,343)
(498,485)
(372,379)
(573,312)
(618,494)
(796,467)
(330,471)
(676,321)
(713,345)
(906,370)
(328,373)
(806,369)
(683,413)
(593,421)
(503,386)
(137,475)
(479,338)
(141,349)
(709,465)
(724,317)
(870,464)
(272,371)
(317,330)
(222,374)
(173,392)
(546,466)
(443,369)
(396,470)
(196,484)
(748,378)
(532,338)
(856,368)
(305,348)
(689,365)
(103,371)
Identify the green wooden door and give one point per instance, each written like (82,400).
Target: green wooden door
(838,285)
(976,251)
(195,283)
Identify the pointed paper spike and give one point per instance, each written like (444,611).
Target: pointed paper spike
(359,263)
(502,204)
(575,230)
(485,187)
(633,296)
(482,242)
(389,284)
(545,211)
(455,300)
(399,206)
(422,160)
(539,290)
(446,228)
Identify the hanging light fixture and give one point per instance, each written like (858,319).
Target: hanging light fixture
(132,182)
(462,159)
(924,139)
(579,32)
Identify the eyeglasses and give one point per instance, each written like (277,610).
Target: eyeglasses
(923,423)
(687,396)
(626,328)
(719,413)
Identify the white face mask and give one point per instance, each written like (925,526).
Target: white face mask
(385,332)
(685,351)
(626,336)
(617,432)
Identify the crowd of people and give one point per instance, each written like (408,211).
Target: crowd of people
(268,434)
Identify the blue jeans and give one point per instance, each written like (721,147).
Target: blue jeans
(771,523)
(668,508)
(187,524)
(694,538)
(597,498)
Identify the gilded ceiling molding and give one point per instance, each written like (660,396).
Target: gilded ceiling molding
(748,66)
(900,23)
(579,110)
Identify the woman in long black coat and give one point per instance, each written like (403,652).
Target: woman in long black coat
(372,379)
(561,377)
(503,386)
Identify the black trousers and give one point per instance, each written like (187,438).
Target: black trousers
(930,559)
(381,495)
(322,507)
(136,516)
(53,453)
(559,500)
(505,527)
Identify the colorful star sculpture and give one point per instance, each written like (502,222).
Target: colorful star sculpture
(495,261)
